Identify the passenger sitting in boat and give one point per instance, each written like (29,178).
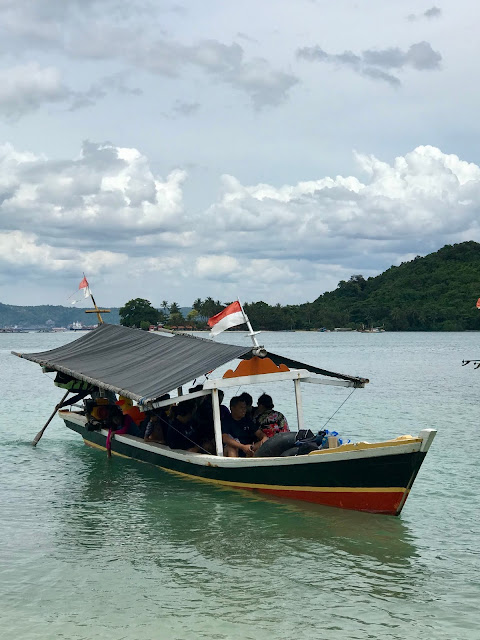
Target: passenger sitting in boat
(203,419)
(249,402)
(198,401)
(181,432)
(239,434)
(126,406)
(154,429)
(122,423)
(265,418)
(98,412)
(157,423)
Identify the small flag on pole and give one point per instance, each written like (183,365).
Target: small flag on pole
(229,317)
(84,285)
(86,290)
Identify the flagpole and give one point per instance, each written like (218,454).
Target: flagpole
(258,349)
(97,311)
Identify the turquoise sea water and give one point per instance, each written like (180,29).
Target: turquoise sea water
(97,548)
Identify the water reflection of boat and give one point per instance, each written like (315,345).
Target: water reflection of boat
(176,511)
(374,477)
(130,528)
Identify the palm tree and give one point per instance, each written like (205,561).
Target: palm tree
(198,306)
(174,308)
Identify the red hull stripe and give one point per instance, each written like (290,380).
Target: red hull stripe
(371,501)
(385,500)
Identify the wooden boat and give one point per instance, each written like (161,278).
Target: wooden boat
(365,329)
(373,477)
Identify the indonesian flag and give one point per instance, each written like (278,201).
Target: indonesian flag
(229,317)
(84,285)
(478,303)
(86,290)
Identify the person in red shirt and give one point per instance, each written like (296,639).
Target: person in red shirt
(265,418)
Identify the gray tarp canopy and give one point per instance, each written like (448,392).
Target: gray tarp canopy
(134,363)
(143,366)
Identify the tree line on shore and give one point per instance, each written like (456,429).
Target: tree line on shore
(435,293)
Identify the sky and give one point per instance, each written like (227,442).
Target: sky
(260,150)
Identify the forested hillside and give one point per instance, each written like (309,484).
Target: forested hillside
(49,315)
(437,292)
(434,293)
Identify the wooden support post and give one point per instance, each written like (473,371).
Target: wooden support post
(298,400)
(217,424)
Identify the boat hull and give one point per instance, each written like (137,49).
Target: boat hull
(376,480)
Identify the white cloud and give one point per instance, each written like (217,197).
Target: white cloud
(105,189)
(26,87)
(271,272)
(216,266)
(185,239)
(372,62)
(422,197)
(20,249)
(129,34)
(23,250)
(225,63)
(97,261)
(106,212)
(433,12)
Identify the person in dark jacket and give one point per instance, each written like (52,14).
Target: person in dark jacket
(182,432)
(239,434)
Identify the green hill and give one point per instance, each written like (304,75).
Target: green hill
(434,293)
(43,316)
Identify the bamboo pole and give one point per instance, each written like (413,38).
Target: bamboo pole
(41,432)
(97,310)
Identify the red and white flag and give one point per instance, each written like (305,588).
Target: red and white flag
(229,317)
(84,285)
(478,303)
(86,289)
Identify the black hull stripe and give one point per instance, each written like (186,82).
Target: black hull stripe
(375,474)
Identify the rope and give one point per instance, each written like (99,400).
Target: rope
(354,389)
